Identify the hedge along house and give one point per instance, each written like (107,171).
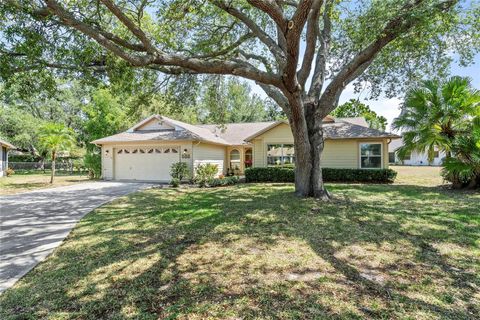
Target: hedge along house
(146,151)
(4,147)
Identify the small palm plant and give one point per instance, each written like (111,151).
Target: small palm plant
(55,138)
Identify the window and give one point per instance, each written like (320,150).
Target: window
(436,154)
(158,150)
(174,150)
(235,159)
(370,155)
(142,150)
(135,151)
(280,155)
(150,151)
(408,156)
(120,151)
(166,151)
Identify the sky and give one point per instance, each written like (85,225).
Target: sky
(390,108)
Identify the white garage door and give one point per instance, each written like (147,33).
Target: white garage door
(145,163)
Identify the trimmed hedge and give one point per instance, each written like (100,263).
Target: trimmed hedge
(279,174)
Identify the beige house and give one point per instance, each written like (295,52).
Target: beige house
(4,147)
(146,151)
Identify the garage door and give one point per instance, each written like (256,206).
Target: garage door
(148,164)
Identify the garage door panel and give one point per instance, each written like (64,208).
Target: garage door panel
(145,163)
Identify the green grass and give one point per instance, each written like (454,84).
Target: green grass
(24,182)
(258,252)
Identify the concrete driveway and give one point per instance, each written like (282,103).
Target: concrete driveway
(33,224)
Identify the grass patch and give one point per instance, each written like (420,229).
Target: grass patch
(256,251)
(28,182)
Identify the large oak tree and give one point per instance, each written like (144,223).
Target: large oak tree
(302,53)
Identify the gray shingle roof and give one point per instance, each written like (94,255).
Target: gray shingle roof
(347,130)
(238,133)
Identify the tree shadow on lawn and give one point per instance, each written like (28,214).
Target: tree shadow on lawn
(259,252)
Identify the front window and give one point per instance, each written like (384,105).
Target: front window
(280,155)
(235,159)
(371,155)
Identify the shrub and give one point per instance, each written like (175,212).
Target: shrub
(225,181)
(282,174)
(179,170)
(93,163)
(10,172)
(175,182)
(205,173)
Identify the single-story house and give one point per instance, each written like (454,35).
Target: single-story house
(4,147)
(147,150)
(414,158)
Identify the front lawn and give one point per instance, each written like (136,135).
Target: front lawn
(257,252)
(28,182)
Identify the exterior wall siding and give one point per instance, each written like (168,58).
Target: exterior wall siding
(338,153)
(210,153)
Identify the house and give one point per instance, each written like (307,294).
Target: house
(4,147)
(146,151)
(414,158)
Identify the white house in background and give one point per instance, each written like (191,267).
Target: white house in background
(4,147)
(415,158)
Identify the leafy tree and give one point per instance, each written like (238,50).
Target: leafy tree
(230,100)
(20,128)
(355,108)
(55,138)
(434,114)
(384,43)
(105,116)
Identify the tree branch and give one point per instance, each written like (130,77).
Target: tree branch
(130,25)
(294,30)
(311,42)
(274,11)
(397,26)
(321,60)
(256,30)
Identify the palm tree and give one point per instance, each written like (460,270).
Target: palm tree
(53,138)
(434,114)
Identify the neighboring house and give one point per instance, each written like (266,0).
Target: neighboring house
(4,147)
(414,158)
(147,150)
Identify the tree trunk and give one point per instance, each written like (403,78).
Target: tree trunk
(309,143)
(53,166)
